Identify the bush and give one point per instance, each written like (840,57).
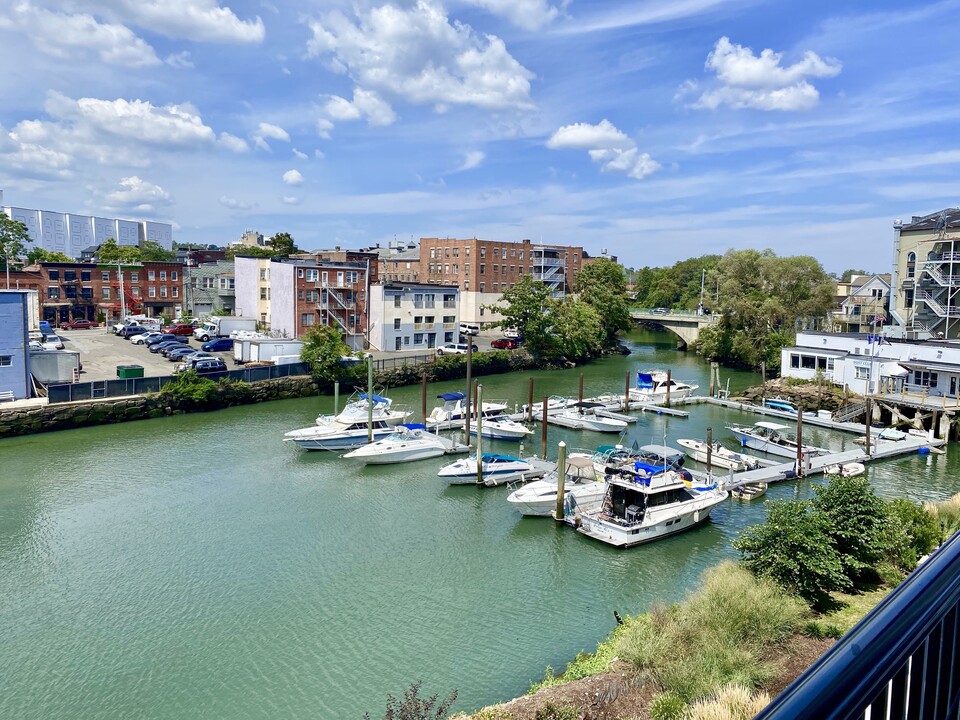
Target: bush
(909,533)
(412,707)
(947,514)
(733,702)
(667,706)
(190,387)
(857,522)
(794,548)
(717,635)
(557,712)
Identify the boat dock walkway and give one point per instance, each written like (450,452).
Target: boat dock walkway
(808,418)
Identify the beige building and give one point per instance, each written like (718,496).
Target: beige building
(861,304)
(926,281)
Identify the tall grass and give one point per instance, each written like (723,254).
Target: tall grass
(733,702)
(947,513)
(716,636)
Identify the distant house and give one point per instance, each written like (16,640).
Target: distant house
(862,304)
(14,356)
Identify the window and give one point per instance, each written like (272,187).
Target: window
(496,287)
(227,283)
(433,253)
(151,291)
(263,273)
(482,286)
(151,275)
(163,291)
(418,319)
(483,252)
(69,274)
(466,252)
(456,269)
(430,319)
(53,293)
(307,319)
(513,252)
(53,274)
(173,275)
(134,277)
(105,293)
(263,293)
(70,292)
(911,264)
(299,294)
(483,269)
(6,360)
(313,296)
(446,252)
(908,298)
(496,269)
(456,252)
(105,276)
(496,252)
(314,275)
(135,292)
(396,301)
(84,276)
(176,291)
(863,373)
(207,283)
(352,277)
(396,323)
(418,338)
(924,378)
(299,273)
(86,293)
(808,362)
(521,255)
(466,269)
(449,319)
(163,274)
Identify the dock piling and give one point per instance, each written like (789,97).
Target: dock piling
(561,476)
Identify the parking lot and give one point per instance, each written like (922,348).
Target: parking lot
(102,351)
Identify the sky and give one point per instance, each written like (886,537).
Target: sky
(654,130)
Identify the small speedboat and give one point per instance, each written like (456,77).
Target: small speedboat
(450,415)
(358,410)
(719,455)
(495,469)
(499,426)
(748,491)
(850,469)
(771,438)
(583,416)
(582,490)
(337,435)
(652,388)
(407,443)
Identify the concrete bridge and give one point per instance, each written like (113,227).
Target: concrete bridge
(685,325)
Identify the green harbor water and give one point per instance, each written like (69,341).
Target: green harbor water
(197,566)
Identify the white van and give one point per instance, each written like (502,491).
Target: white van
(469,328)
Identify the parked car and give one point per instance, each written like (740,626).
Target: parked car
(174,354)
(179,329)
(505,344)
(53,342)
(37,345)
(469,328)
(80,325)
(218,345)
(162,337)
(203,366)
(454,349)
(143,339)
(199,355)
(511,332)
(130,330)
(166,345)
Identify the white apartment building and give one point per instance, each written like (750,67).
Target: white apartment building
(413,316)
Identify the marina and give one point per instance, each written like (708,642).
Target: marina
(357,575)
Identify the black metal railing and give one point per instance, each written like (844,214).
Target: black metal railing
(901,661)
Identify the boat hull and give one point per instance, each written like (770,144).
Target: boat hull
(765,445)
(502,430)
(624,536)
(534,501)
(336,441)
(399,456)
(722,457)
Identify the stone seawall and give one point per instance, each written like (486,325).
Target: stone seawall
(114,410)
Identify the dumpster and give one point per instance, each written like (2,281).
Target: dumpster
(129,371)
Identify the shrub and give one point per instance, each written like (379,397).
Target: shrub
(947,514)
(412,707)
(557,712)
(732,702)
(821,630)
(794,548)
(857,521)
(909,533)
(667,706)
(717,635)
(190,387)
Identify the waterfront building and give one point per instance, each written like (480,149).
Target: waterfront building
(209,286)
(70,233)
(252,288)
(862,304)
(485,269)
(398,262)
(413,316)
(14,356)
(926,278)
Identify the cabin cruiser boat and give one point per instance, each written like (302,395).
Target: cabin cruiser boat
(338,434)
(771,438)
(652,388)
(405,444)
(495,469)
(358,410)
(499,426)
(449,416)
(582,490)
(643,509)
(719,455)
(583,416)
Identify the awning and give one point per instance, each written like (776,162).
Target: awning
(931,366)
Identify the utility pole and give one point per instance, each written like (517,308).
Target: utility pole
(703,277)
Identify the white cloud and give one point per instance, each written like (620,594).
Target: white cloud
(293,177)
(366,104)
(318,154)
(67,36)
(181,60)
(324,127)
(761,82)
(290,200)
(299,155)
(234,204)
(266,130)
(473,159)
(526,14)
(136,195)
(607,145)
(416,54)
(233,143)
(200,20)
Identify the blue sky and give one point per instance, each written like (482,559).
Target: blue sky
(655,130)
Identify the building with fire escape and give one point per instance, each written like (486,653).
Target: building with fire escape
(926,281)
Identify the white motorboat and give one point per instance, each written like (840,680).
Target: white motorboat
(449,416)
(652,388)
(501,427)
(582,490)
(405,444)
(641,510)
(849,469)
(719,455)
(771,438)
(358,410)
(338,435)
(495,470)
(748,491)
(583,416)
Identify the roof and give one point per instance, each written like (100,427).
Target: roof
(771,425)
(951,218)
(930,366)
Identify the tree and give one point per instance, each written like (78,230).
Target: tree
(910,532)
(323,348)
(14,238)
(109,253)
(794,549)
(848,274)
(412,707)
(603,286)
(283,244)
(235,251)
(38,255)
(857,522)
(527,306)
(576,331)
(151,251)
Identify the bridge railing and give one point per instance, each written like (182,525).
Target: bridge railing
(901,661)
